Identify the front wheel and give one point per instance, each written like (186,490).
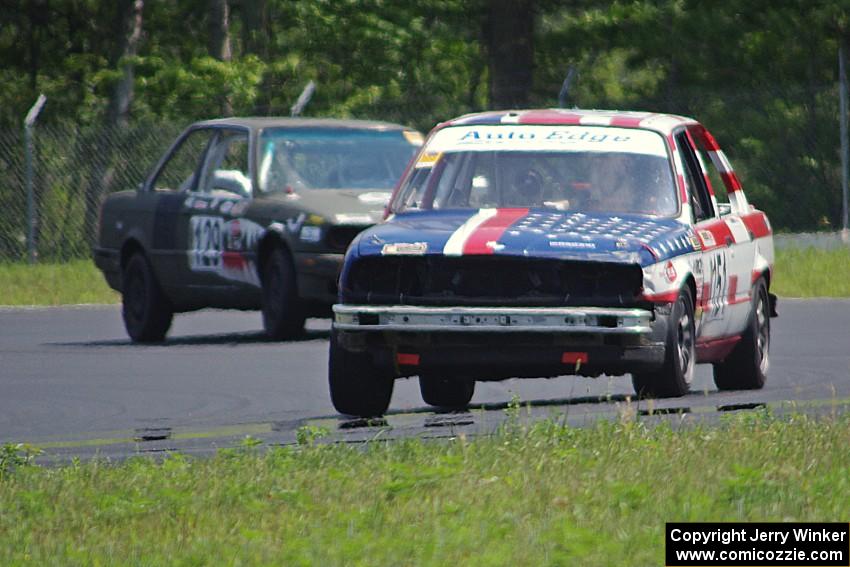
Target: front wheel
(358,386)
(146,311)
(446,392)
(675,376)
(746,367)
(283,317)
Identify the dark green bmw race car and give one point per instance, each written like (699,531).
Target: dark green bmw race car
(248,213)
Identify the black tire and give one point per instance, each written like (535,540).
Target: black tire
(146,311)
(446,392)
(746,367)
(358,386)
(675,376)
(283,316)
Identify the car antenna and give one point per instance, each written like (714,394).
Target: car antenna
(565,87)
(303,99)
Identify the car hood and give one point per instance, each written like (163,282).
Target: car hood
(340,206)
(619,238)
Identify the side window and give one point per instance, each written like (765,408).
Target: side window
(178,173)
(414,189)
(695,182)
(452,191)
(717,185)
(226,166)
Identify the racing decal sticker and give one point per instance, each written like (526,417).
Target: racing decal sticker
(234,235)
(294,224)
(572,245)
(694,241)
(310,233)
(405,249)
(427,159)
(206,243)
(542,138)
(707,239)
(670,272)
(224,247)
(716,283)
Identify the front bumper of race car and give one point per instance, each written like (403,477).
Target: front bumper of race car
(497,342)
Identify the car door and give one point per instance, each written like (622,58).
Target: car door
(216,234)
(732,209)
(716,239)
(173,179)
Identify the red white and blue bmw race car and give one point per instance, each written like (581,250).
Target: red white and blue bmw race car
(550,242)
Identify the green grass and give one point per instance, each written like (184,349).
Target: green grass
(542,495)
(809,272)
(799,273)
(77,281)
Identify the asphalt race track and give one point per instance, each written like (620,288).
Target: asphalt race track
(71,381)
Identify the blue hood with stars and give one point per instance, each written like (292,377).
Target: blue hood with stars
(541,232)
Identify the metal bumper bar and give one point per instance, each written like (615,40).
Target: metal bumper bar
(492,319)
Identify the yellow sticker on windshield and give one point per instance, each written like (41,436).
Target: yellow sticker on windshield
(428,159)
(413,137)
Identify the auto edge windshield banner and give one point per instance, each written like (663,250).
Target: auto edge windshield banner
(546,139)
(757,544)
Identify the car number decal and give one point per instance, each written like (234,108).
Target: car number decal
(205,242)
(718,279)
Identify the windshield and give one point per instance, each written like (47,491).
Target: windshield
(333,158)
(593,169)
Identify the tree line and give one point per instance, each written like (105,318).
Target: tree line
(762,75)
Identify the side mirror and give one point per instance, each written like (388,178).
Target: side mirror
(724,209)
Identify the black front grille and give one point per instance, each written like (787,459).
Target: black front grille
(490,280)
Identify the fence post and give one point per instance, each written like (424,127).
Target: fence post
(29,122)
(845,151)
(303,99)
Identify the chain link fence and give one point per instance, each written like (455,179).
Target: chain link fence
(783,142)
(73,168)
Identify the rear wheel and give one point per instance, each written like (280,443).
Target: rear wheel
(446,392)
(146,311)
(675,376)
(746,367)
(358,386)
(283,316)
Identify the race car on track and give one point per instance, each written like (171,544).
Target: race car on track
(549,242)
(248,213)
